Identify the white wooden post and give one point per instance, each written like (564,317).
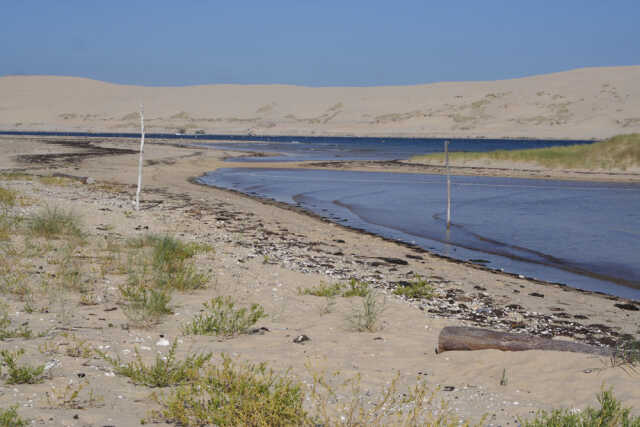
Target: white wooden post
(446,160)
(140,161)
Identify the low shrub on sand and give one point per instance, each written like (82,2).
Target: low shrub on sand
(231,394)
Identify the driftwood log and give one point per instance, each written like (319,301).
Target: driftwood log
(465,338)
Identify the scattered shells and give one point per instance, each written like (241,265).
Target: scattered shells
(163,342)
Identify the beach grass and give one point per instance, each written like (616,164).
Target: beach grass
(366,318)
(354,288)
(7,201)
(418,288)
(610,413)
(231,393)
(7,332)
(166,370)
(171,262)
(620,152)
(9,418)
(52,223)
(223,319)
(20,374)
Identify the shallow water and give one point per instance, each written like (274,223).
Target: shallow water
(289,149)
(584,234)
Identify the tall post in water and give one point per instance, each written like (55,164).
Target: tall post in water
(140,161)
(446,161)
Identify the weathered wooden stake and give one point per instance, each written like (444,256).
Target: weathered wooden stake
(140,161)
(446,160)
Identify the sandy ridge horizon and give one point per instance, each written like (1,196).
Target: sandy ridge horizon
(578,104)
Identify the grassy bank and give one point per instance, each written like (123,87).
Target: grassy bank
(621,152)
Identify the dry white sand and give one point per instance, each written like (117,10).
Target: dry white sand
(583,103)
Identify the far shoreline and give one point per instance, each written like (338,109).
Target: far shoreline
(129,133)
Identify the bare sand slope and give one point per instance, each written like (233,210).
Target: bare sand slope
(583,103)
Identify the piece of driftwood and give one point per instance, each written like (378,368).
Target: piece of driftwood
(466,338)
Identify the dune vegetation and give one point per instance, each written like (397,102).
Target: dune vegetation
(620,152)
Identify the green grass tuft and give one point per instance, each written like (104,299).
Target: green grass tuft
(231,395)
(7,220)
(9,418)
(367,317)
(20,374)
(627,354)
(222,318)
(159,265)
(346,403)
(355,288)
(166,371)
(170,262)
(418,288)
(15,176)
(6,331)
(610,414)
(145,305)
(7,198)
(323,290)
(53,223)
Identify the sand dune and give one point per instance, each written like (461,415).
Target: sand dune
(583,103)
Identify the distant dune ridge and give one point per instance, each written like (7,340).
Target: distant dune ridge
(582,103)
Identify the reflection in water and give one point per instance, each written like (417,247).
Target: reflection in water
(582,234)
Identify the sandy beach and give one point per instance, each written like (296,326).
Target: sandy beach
(265,253)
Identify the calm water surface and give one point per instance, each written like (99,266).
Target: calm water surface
(583,234)
(289,149)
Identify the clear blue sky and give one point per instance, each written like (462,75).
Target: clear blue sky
(314,42)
